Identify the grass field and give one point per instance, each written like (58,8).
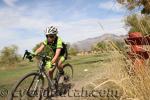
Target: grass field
(10,76)
(103,71)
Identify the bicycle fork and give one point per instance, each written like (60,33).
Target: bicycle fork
(36,80)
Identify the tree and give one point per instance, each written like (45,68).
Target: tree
(138,23)
(132,4)
(100,46)
(9,55)
(107,46)
(73,51)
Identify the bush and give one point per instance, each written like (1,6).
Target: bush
(73,51)
(9,55)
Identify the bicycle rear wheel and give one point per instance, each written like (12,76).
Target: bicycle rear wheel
(63,82)
(28,88)
(68,72)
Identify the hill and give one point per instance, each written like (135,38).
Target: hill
(85,45)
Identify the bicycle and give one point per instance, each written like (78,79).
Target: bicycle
(35,86)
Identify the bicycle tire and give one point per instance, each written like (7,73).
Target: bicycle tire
(65,73)
(34,74)
(66,85)
(65,67)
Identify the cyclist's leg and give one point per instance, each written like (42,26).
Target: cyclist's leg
(50,70)
(60,68)
(60,63)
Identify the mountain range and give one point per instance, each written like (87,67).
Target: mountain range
(85,45)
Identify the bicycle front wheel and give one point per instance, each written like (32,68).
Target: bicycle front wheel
(28,88)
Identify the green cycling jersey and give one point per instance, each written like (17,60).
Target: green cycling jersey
(58,43)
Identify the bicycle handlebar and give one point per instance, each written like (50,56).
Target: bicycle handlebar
(27,55)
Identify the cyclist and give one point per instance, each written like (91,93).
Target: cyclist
(58,47)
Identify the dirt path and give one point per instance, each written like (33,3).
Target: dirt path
(80,85)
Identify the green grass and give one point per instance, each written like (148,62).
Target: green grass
(9,77)
(77,60)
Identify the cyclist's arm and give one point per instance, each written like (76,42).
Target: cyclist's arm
(40,49)
(55,58)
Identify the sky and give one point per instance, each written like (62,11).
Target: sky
(22,22)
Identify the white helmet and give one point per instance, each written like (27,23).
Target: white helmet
(51,30)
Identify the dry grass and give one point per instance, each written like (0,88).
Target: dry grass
(132,81)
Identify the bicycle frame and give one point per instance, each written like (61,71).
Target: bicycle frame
(43,73)
(42,64)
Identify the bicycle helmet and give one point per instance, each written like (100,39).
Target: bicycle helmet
(51,30)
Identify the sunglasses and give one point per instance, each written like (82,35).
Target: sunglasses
(50,36)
